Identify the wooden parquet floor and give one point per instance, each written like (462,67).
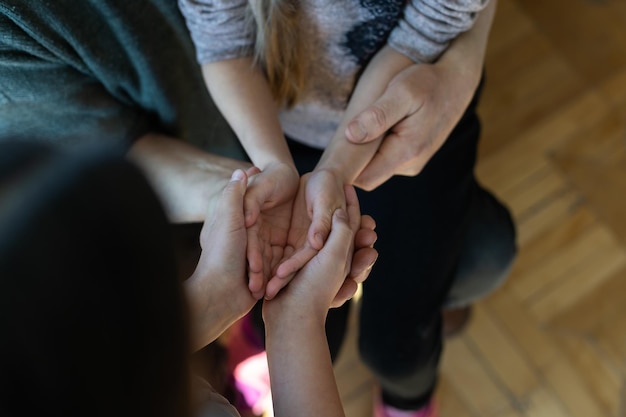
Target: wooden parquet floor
(552,341)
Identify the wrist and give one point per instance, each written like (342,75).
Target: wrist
(295,319)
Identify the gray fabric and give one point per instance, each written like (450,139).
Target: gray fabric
(103,71)
(342,36)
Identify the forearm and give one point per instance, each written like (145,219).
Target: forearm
(302,379)
(242,94)
(209,316)
(185,178)
(467,53)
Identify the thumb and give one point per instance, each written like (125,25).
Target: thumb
(230,207)
(378,118)
(339,243)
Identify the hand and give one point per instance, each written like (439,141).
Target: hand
(363,260)
(330,278)
(268,204)
(217,291)
(319,195)
(417,112)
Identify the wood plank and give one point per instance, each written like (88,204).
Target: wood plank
(541,248)
(509,25)
(544,216)
(571,256)
(599,306)
(466,373)
(610,336)
(608,201)
(545,184)
(527,332)
(450,403)
(589,33)
(505,357)
(528,82)
(543,403)
(569,386)
(614,89)
(512,165)
(588,275)
(602,379)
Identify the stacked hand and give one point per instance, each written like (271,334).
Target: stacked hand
(284,233)
(220,290)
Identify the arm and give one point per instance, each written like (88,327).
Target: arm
(301,373)
(398,117)
(186,178)
(217,294)
(390,91)
(421,106)
(224,42)
(242,93)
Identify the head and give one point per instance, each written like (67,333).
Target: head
(92,314)
(279,47)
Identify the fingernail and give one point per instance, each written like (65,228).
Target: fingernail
(358,132)
(238,175)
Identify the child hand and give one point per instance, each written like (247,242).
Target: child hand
(331,276)
(319,195)
(268,208)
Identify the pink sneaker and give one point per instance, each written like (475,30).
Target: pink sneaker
(247,363)
(383,410)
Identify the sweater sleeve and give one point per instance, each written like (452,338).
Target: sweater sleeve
(428,26)
(219,28)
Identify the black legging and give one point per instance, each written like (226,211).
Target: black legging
(424,247)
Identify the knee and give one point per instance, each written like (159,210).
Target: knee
(487,256)
(396,354)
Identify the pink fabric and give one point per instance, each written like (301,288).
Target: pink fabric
(383,410)
(247,362)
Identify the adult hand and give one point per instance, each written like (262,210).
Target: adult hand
(218,291)
(322,281)
(320,193)
(268,204)
(416,113)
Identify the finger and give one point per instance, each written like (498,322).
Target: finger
(365,238)
(321,221)
(253,171)
(352,207)
(362,263)
(230,206)
(256,284)
(373,122)
(295,262)
(276,284)
(383,165)
(254,200)
(338,247)
(368,222)
(345,293)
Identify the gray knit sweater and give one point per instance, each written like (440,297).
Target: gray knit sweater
(343,35)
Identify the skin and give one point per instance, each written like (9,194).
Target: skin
(217,291)
(399,115)
(416,104)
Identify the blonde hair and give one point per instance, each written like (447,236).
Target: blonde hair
(279,48)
